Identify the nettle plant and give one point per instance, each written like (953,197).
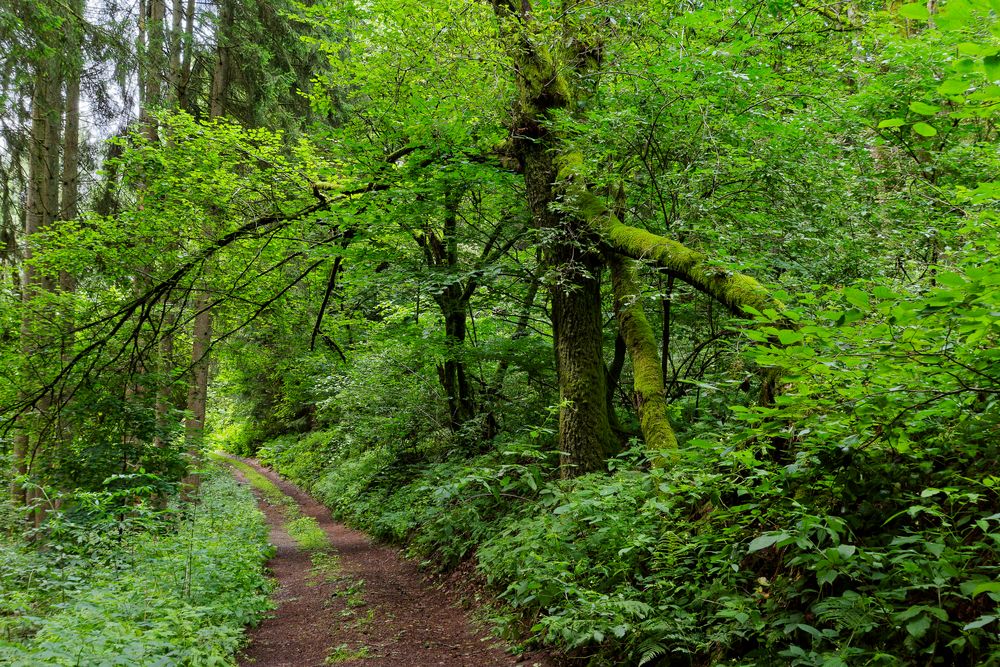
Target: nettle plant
(887,433)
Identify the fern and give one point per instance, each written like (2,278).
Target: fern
(650,650)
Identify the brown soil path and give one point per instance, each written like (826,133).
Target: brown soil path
(373,608)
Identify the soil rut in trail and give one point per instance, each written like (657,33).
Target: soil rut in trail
(362,604)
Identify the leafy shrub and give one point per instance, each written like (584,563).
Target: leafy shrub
(177,598)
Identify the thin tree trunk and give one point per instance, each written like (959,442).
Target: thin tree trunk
(70,195)
(454,376)
(174,72)
(666,304)
(155,70)
(186,56)
(202,335)
(614,374)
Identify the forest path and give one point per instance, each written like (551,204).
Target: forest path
(353,602)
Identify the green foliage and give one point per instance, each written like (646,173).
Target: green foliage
(307,533)
(178,592)
(744,557)
(303,529)
(844,156)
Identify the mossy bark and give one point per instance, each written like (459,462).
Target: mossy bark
(650,400)
(571,251)
(733,290)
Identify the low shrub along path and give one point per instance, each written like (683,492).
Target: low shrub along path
(343,600)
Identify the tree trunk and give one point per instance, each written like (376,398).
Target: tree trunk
(41,209)
(70,189)
(174,72)
(585,435)
(650,401)
(154,70)
(187,50)
(454,375)
(198,391)
(202,334)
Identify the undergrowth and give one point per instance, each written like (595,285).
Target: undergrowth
(743,562)
(303,529)
(178,591)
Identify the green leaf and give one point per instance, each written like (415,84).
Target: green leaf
(934,548)
(846,551)
(992,66)
(856,297)
(924,130)
(918,626)
(986,587)
(970,48)
(953,86)
(915,10)
(979,622)
(883,292)
(764,541)
(789,337)
(891,122)
(950,279)
(849,316)
(810,629)
(924,109)
(965,65)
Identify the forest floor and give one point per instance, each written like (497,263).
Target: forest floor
(356,602)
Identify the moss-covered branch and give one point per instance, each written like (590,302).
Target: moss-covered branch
(650,399)
(733,290)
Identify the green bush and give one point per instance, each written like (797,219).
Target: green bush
(181,597)
(742,558)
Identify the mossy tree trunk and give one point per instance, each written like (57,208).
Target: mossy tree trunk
(650,400)
(571,248)
(576,225)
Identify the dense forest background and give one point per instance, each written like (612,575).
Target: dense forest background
(679,320)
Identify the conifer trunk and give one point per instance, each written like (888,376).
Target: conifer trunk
(202,334)
(41,209)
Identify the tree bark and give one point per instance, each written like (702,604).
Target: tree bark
(70,187)
(202,334)
(187,50)
(454,375)
(585,435)
(650,400)
(41,209)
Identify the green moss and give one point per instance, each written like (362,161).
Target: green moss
(735,291)
(541,85)
(642,347)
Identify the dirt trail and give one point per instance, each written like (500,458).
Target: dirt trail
(365,605)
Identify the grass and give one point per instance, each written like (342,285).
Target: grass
(342,653)
(306,532)
(303,529)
